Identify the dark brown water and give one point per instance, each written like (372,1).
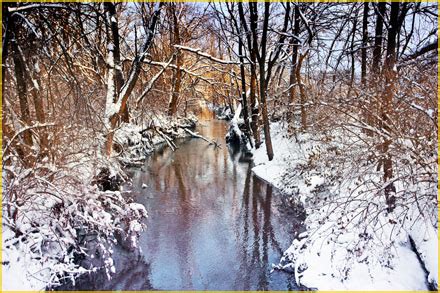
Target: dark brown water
(212,224)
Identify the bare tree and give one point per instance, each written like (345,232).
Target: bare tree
(116,103)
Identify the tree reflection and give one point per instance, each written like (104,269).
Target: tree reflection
(214,225)
(256,220)
(184,224)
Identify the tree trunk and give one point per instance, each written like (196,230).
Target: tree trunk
(111,114)
(294,42)
(353,63)
(372,109)
(255,112)
(262,63)
(378,40)
(243,87)
(177,73)
(253,47)
(19,71)
(364,104)
(387,104)
(6,37)
(241,53)
(117,104)
(114,35)
(38,102)
(364,44)
(302,92)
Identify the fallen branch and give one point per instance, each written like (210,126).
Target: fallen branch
(168,140)
(196,135)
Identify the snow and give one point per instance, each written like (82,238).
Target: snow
(235,135)
(139,209)
(428,112)
(345,247)
(426,241)
(327,268)
(17,264)
(272,170)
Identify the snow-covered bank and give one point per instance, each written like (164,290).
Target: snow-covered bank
(352,243)
(56,214)
(137,141)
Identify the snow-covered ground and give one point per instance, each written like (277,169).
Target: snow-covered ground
(351,242)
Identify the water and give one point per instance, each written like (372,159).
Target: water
(212,224)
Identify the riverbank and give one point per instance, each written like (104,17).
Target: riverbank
(68,210)
(351,242)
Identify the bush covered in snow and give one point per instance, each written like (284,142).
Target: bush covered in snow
(49,214)
(63,214)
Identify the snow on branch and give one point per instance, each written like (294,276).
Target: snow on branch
(32,6)
(426,49)
(205,55)
(152,81)
(38,125)
(187,71)
(135,68)
(196,135)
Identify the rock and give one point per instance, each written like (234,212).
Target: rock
(106,181)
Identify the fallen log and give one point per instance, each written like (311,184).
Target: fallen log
(196,135)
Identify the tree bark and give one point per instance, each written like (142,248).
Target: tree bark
(387,104)
(353,62)
(302,92)
(372,109)
(6,37)
(36,94)
(378,40)
(263,81)
(177,73)
(294,42)
(242,73)
(252,45)
(364,44)
(116,106)
(19,71)
(352,45)
(114,35)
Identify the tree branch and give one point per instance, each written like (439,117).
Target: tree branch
(205,55)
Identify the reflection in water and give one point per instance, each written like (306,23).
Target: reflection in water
(212,224)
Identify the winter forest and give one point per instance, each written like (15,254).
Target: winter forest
(219,146)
